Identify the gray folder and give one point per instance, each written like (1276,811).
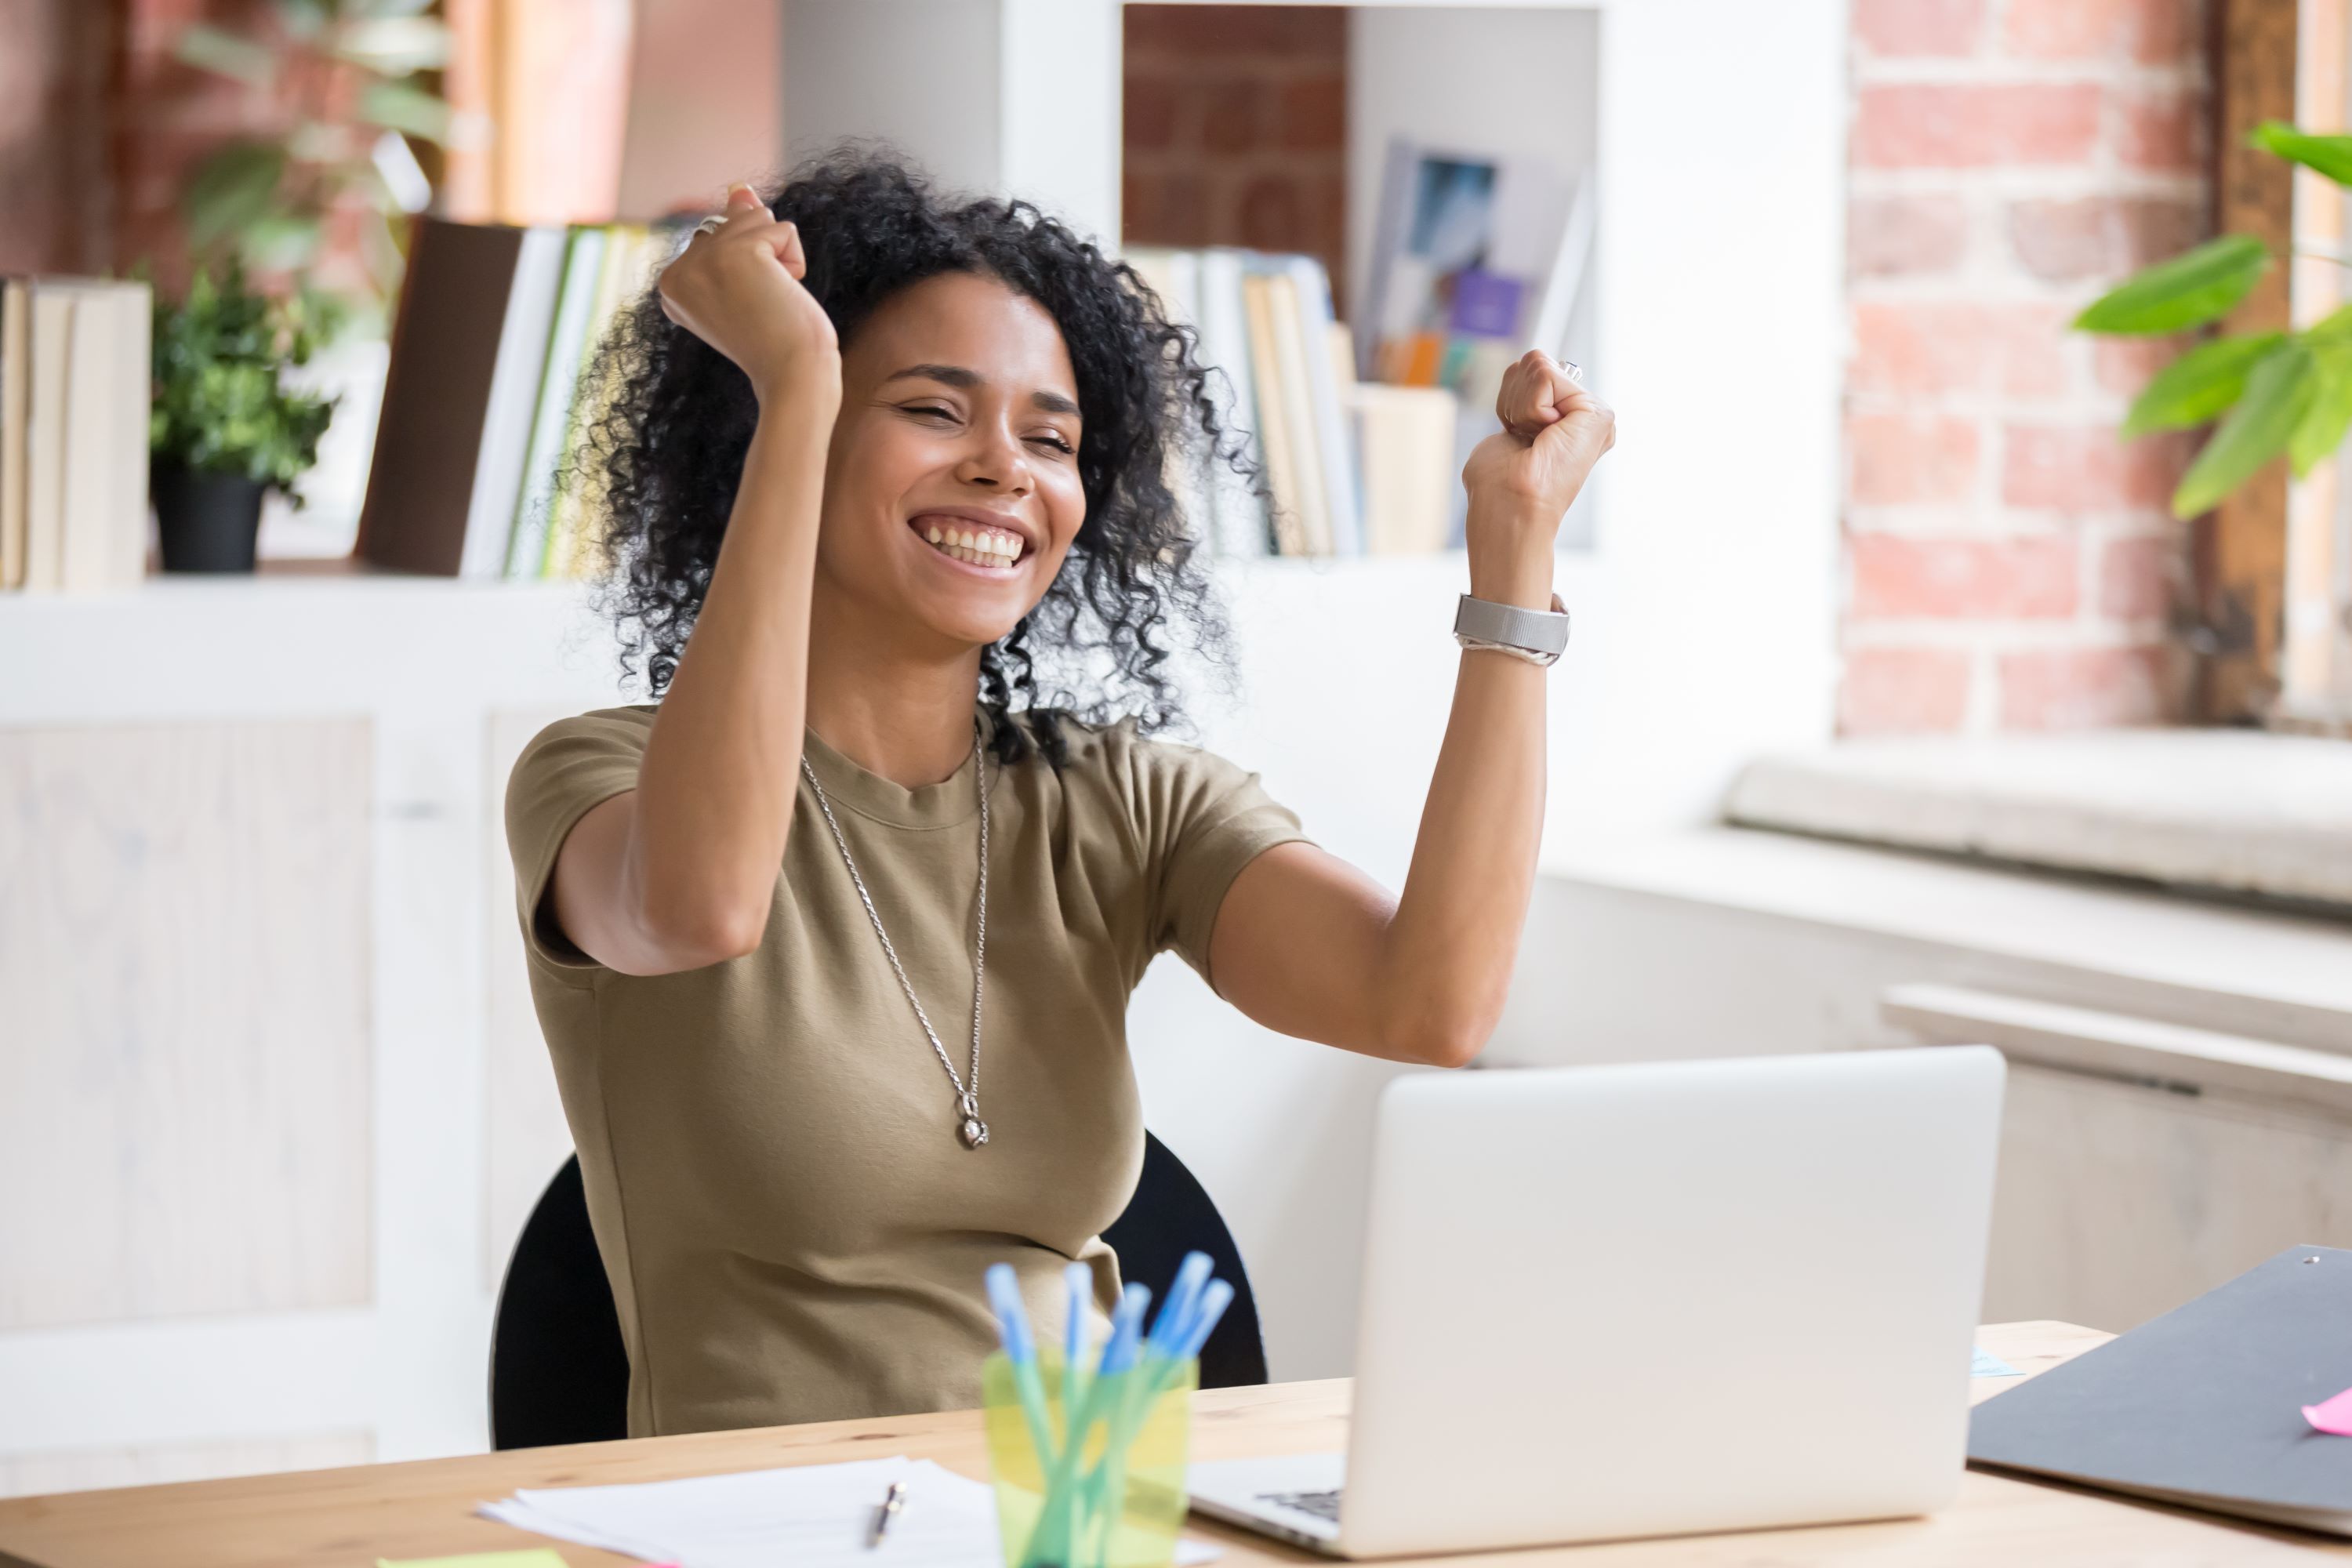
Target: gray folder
(2203,1406)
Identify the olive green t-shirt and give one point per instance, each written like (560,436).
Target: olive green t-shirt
(791,1227)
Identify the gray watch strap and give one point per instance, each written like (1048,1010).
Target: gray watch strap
(1538,632)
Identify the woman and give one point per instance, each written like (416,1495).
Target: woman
(881,457)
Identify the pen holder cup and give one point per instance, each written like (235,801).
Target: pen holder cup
(1117,1502)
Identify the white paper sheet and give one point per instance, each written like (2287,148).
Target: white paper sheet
(810,1516)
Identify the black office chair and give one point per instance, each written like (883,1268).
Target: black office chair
(560,1374)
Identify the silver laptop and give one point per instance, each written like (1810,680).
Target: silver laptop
(1603,1302)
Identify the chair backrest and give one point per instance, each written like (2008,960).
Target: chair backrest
(560,1371)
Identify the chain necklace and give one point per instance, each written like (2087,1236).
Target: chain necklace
(972,1129)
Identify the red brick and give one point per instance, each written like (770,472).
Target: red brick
(2078,469)
(1273,214)
(2125,364)
(1148,108)
(2150,31)
(2074,689)
(2028,342)
(1911,29)
(1889,690)
(1897,577)
(1939,346)
(1230,114)
(2162,128)
(1164,208)
(1228,31)
(2101,236)
(2135,578)
(1946,125)
(1313,114)
(1894,236)
(1915,347)
(1896,459)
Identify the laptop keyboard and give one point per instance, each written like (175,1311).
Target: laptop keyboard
(1322,1505)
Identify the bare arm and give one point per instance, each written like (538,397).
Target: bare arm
(1308,944)
(679,872)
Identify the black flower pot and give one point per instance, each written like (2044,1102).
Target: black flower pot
(205,522)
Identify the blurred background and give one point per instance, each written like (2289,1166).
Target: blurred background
(1909,701)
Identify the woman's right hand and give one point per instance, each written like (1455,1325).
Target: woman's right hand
(738,290)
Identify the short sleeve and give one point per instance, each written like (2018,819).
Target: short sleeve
(570,767)
(1201,819)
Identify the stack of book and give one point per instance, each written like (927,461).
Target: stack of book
(486,399)
(1352,469)
(75,390)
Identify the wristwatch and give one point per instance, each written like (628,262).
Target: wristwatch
(1537,636)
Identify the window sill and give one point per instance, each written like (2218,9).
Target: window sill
(2234,812)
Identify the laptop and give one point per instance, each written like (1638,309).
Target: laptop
(1654,1299)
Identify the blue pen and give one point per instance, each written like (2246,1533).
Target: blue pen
(1183,1296)
(1079,1280)
(1013,1328)
(1215,1300)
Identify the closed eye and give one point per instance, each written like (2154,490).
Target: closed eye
(1055,442)
(933,409)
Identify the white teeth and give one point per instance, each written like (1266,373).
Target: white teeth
(933,533)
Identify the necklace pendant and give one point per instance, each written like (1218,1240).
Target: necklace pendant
(974,1132)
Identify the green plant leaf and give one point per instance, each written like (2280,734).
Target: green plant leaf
(2198,385)
(392,46)
(2189,290)
(224,54)
(2321,429)
(394,106)
(282,242)
(2329,155)
(234,189)
(2278,395)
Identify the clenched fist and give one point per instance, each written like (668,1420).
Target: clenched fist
(1522,479)
(738,290)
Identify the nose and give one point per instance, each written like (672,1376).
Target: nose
(995,461)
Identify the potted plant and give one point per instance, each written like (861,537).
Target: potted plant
(224,431)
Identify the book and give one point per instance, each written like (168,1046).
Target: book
(515,379)
(1174,277)
(1292,376)
(1241,523)
(572,536)
(50,342)
(551,413)
(1406,436)
(436,397)
(1273,420)
(1333,441)
(16,396)
(1476,258)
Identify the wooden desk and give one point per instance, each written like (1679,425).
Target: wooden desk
(347,1519)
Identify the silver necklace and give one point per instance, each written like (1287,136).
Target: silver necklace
(971,1129)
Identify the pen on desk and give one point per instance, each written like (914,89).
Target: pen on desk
(888,1512)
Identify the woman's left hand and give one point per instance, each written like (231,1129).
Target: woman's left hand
(1522,479)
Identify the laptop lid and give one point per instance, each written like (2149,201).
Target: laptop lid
(1667,1298)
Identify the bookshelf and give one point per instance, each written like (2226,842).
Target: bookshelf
(1704,614)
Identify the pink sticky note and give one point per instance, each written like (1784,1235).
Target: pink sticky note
(2332,1415)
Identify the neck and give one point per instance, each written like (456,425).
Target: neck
(902,713)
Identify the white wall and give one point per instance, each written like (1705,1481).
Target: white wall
(1000,97)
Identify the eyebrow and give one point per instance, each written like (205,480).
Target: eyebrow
(956,375)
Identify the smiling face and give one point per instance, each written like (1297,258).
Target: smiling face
(951,489)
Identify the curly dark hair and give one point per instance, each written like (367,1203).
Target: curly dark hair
(665,454)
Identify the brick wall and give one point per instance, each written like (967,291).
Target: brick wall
(1236,128)
(2010,564)
(56,208)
